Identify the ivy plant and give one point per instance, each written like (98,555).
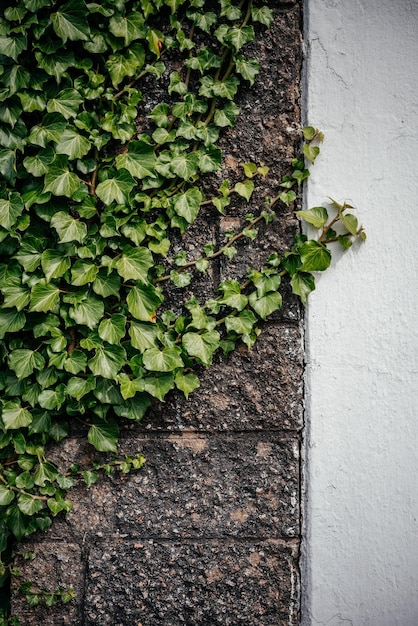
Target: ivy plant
(89,206)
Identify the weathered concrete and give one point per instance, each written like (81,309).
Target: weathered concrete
(208,532)
(362,543)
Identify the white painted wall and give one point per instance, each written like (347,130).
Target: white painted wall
(361,548)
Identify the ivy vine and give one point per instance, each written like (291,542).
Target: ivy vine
(89,206)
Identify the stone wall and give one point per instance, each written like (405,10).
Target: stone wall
(208,531)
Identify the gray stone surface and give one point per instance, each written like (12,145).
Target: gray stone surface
(194,485)
(216,582)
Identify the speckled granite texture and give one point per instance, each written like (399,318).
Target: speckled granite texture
(208,532)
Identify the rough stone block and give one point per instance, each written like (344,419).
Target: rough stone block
(210,583)
(56,564)
(193,485)
(261,388)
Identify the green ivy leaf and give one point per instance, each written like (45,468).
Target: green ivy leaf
(186,382)
(266,305)
(187,204)
(104,437)
(315,256)
(23,362)
(67,102)
(135,263)
(59,180)
(350,222)
(302,284)
(202,345)
(165,360)
(79,387)
(144,336)
(89,312)
(11,210)
(113,329)
(107,361)
(11,322)
(68,228)
(70,22)
(44,297)
(131,27)
(242,324)
(121,66)
(317,216)
(74,145)
(6,495)
(139,160)
(15,416)
(116,189)
(245,189)
(28,504)
(143,303)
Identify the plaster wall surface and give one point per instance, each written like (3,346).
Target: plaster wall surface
(361,548)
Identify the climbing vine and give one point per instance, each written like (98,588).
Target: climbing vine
(90,204)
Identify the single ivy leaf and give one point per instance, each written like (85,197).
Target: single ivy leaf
(143,303)
(11,321)
(8,165)
(11,210)
(59,180)
(46,472)
(165,360)
(241,324)
(159,386)
(52,399)
(23,362)
(54,264)
(311,152)
(238,37)
(38,165)
(55,64)
(14,416)
(245,189)
(28,504)
(83,272)
(15,521)
(264,15)
(6,495)
(227,116)
(186,382)
(131,27)
(108,361)
(79,387)
(12,46)
(113,329)
(187,204)
(44,297)
(350,222)
(16,296)
(68,228)
(185,165)
(121,66)
(75,362)
(104,437)
(315,256)
(144,336)
(317,216)
(106,284)
(302,284)
(74,145)
(202,345)
(116,189)
(248,68)
(130,387)
(51,129)
(140,160)
(266,305)
(88,313)
(135,408)
(67,102)
(135,263)
(70,22)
